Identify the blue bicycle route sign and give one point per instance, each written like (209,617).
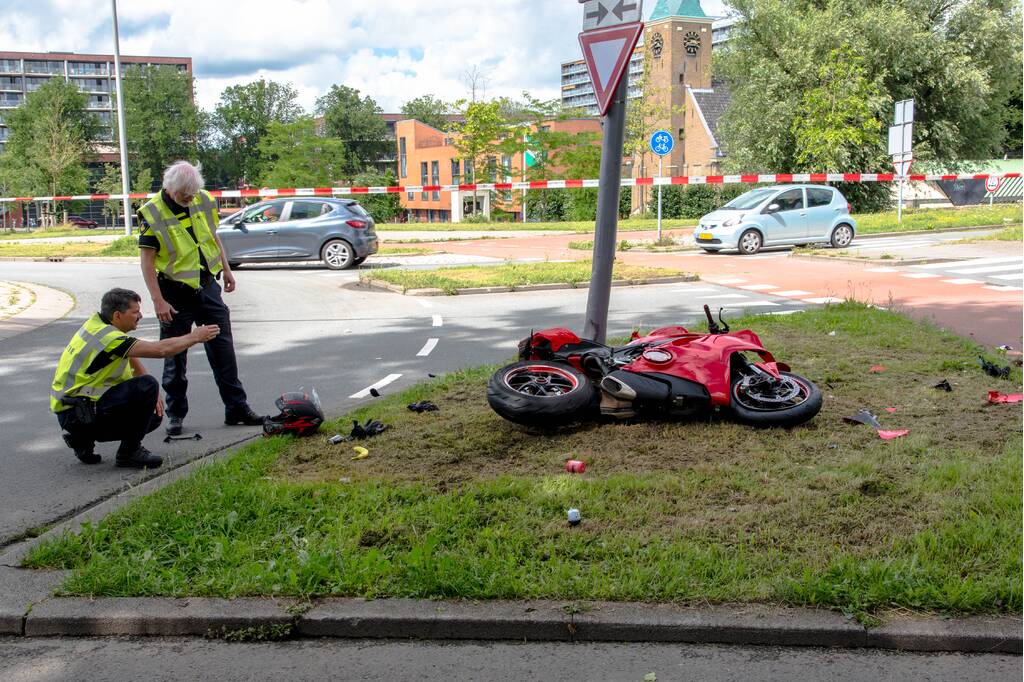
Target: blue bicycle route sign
(662,142)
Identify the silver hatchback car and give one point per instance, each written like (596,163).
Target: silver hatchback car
(338,232)
(786,215)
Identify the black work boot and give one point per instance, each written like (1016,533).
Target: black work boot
(243,416)
(83,449)
(173,427)
(140,458)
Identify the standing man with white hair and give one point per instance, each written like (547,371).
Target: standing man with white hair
(182,259)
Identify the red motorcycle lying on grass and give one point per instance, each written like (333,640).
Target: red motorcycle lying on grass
(670,373)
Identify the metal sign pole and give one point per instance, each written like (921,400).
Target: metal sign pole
(596,324)
(661,159)
(120,126)
(899,206)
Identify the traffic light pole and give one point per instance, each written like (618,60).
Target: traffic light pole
(596,325)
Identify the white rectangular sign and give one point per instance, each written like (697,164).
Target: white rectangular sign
(904,112)
(605,13)
(901,139)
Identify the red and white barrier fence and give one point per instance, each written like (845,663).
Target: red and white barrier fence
(544,184)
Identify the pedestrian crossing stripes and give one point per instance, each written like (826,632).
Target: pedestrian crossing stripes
(994,270)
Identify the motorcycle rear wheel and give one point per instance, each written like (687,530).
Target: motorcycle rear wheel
(759,401)
(539,393)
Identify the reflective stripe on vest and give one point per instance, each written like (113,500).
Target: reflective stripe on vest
(178,257)
(71,379)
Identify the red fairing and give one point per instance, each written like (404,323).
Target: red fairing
(557,337)
(704,358)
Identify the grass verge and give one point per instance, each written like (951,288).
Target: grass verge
(925,219)
(460,503)
(1013,233)
(510,275)
(123,246)
(59,231)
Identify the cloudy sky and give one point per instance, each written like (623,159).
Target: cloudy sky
(392,50)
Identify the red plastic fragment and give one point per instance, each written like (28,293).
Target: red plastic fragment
(877,369)
(890,410)
(997,397)
(890,435)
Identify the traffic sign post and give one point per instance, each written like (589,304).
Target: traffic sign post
(611,31)
(901,145)
(661,144)
(992,184)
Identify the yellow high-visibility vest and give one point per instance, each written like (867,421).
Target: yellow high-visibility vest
(72,378)
(178,257)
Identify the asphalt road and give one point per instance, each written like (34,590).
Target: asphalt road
(294,326)
(100,660)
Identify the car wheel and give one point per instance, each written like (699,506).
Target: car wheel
(337,254)
(358,261)
(842,235)
(750,242)
(233,264)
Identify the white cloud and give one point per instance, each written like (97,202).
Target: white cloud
(391,50)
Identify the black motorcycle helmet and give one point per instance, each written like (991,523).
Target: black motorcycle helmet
(300,415)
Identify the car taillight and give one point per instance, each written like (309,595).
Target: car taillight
(848,208)
(358,224)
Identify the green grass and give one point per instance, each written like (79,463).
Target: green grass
(404,251)
(924,219)
(59,231)
(460,503)
(578,226)
(1007,234)
(509,275)
(122,246)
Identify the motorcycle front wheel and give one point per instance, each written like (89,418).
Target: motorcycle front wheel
(765,401)
(539,393)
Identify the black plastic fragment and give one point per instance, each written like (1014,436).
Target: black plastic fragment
(944,385)
(994,370)
(863,417)
(423,406)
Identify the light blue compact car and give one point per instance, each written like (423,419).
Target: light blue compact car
(786,215)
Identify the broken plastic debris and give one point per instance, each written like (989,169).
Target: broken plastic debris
(574,517)
(1006,346)
(361,452)
(832,333)
(194,436)
(876,369)
(890,410)
(997,397)
(994,370)
(575,466)
(944,385)
(863,417)
(375,393)
(423,406)
(890,435)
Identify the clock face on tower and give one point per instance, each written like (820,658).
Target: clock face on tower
(691,42)
(657,44)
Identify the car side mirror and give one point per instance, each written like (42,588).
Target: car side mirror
(240,225)
(772,208)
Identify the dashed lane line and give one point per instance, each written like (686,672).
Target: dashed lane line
(961,280)
(732,280)
(879,269)
(795,293)
(919,275)
(427,347)
(438,321)
(377,386)
(1019,275)
(971,263)
(823,300)
(1010,267)
(758,287)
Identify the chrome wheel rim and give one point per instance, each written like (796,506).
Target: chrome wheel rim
(768,394)
(541,381)
(336,254)
(843,236)
(750,242)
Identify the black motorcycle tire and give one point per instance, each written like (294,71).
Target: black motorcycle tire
(538,410)
(782,417)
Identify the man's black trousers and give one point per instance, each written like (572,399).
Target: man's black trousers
(200,306)
(125,412)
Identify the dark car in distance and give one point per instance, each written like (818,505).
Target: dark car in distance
(79,221)
(338,232)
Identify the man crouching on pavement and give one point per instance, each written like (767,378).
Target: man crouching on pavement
(101,391)
(182,258)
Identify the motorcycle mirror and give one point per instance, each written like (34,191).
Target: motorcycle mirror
(725,325)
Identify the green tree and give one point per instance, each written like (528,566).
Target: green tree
(357,122)
(161,120)
(790,62)
(430,110)
(294,155)
(382,207)
(140,182)
(49,142)
(241,119)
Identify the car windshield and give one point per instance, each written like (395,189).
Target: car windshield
(748,200)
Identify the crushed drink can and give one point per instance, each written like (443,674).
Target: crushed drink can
(574,517)
(336,439)
(575,466)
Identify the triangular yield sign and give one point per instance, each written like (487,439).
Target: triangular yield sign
(607,52)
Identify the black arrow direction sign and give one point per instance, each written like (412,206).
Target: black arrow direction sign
(621,8)
(601,13)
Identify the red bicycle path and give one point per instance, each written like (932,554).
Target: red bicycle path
(993,318)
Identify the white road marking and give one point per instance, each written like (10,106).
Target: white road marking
(879,269)
(919,275)
(962,280)
(438,321)
(754,304)
(758,287)
(427,347)
(425,304)
(969,263)
(795,293)
(1019,275)
(987,269)
(717,296)
(783,312)
(823,300)
(732,280)
(1002,287)
(379,385)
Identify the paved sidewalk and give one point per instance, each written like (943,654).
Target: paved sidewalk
(25,306)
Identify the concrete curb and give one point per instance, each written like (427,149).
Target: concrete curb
(371,283)
(50,304)
(890,262)
(507,620)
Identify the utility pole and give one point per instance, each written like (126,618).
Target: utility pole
(120,126)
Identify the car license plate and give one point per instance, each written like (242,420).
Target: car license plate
(704,236)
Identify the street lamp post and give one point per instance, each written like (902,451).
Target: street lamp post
(120,126)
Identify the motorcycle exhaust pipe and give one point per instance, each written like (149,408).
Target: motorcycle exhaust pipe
(617,388)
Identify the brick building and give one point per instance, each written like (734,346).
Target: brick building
(427,156)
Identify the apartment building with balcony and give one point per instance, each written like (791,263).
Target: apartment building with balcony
(24,72)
